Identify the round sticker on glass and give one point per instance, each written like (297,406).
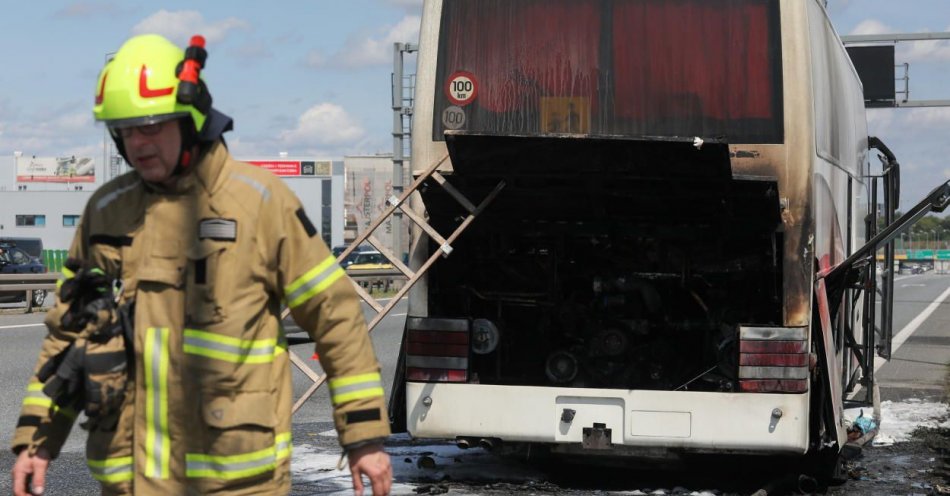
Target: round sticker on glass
(453,118)
(461,88)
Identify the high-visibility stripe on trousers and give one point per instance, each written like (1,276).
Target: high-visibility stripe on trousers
(199,465)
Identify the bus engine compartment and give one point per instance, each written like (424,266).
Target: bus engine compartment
(606,263)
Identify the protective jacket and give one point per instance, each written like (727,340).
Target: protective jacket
(210,264)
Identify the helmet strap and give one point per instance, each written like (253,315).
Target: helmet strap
(189,140)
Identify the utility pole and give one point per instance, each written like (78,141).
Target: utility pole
(403,87)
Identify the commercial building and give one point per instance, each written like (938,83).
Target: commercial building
(43,197)
(369,185)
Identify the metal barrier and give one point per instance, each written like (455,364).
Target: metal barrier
(384,278)
(47,281)
(29,283)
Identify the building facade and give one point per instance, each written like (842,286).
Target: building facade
(369,184)
(43,197)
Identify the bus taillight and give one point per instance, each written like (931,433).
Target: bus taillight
(773,359)
(437,350)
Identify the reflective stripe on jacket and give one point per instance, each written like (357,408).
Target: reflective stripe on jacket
(210,264)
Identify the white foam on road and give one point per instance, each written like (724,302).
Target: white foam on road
(314,466)
(898,420)
(446,462)
(443,462)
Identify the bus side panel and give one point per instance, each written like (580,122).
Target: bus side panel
(840,157)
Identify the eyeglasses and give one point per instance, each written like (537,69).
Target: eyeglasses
(144,130)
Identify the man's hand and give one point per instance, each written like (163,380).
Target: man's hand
(372,462)
(33,467)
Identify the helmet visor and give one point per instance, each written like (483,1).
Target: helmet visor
(116,124)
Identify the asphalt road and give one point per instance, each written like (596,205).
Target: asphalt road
(22,334)
(918,369)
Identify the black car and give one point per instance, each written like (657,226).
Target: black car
(14,260)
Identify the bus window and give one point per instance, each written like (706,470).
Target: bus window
(611,67)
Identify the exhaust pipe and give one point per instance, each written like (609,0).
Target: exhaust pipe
(463,443)
(789,483)
(486,444)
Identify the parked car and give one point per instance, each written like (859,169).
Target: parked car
(15,260)
(369,260)
(351,258)
(32,246)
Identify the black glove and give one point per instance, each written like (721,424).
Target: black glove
(66,386)
(89,294)
(92,373)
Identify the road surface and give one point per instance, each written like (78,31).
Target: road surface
(916,375)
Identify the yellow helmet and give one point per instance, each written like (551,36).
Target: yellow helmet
(141,84)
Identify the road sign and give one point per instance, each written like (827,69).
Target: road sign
(461,88)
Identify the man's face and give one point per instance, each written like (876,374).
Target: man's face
(153,150)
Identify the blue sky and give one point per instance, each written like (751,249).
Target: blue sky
(919,137)
(306,77)
(312,77)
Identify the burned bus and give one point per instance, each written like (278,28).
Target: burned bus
(677,261)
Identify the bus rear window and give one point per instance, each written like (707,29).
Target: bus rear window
(611,67)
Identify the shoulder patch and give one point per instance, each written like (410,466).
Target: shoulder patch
(358,416)
(307,225)
(109,240)
(218,229)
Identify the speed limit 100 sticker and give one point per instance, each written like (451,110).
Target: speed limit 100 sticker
(461,88)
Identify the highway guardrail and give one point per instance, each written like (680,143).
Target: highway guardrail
(29,282)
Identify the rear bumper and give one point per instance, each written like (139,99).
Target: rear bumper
(689,421)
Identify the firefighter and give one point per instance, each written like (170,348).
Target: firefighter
(167,329)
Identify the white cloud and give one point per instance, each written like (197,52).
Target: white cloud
(929,117)
(911,51)
(315,59)
(924,51)
(72,123)
(871,26)
(179,26)
(917,138)
(880,121)
(363,51)
(94,151)
(324,124)
(254,50)
(50,131)
(241,148)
